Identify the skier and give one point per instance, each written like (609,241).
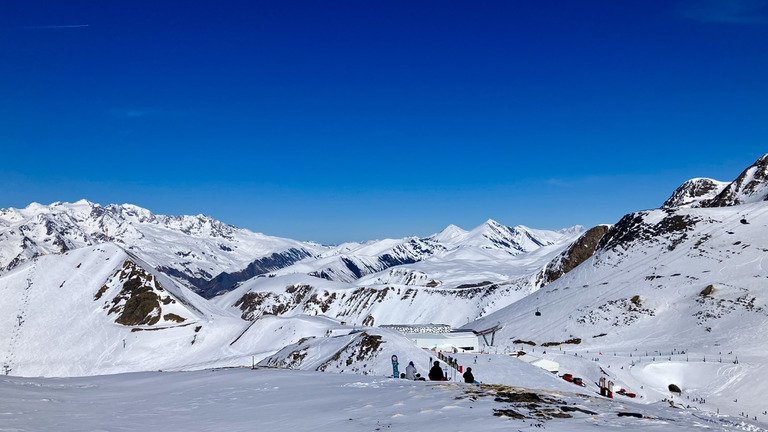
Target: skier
(410,371)
(436,373)
(468,377)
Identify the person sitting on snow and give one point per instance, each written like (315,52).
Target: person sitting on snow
(436,373)
(468,377)
(410,371)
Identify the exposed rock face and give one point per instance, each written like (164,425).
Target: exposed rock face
(695,193)
(583,248)
(141,297)
(654,226)
(358,355)
(255,304)
(750,186)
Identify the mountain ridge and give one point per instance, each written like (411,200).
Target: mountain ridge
(212,257)
(684,284)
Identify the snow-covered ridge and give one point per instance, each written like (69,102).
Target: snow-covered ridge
(353,262)
(66,314)
(194,249)
(684,280)
(749,187)
(213,257)
(697,192)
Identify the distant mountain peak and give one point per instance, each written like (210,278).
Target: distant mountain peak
(193,249)
(450,234)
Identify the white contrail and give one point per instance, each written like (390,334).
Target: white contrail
(54,26)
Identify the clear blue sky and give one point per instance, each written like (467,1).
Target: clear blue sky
(355,120)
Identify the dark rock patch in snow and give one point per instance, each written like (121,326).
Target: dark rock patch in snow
(583,248)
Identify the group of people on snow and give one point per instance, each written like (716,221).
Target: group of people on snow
(435,373)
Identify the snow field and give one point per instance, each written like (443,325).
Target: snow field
(280,400)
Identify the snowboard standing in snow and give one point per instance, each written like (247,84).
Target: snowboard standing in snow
(395,372)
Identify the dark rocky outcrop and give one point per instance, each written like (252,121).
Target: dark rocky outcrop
(694,193)
(672,228)
(583,248)
(750,186)
(140,297)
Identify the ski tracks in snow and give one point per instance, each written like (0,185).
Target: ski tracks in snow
(9,360)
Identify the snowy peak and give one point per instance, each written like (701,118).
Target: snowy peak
(351,262)
(514,240)
(493,235)
(751,186)
(204,253)
(687,275)
(698,192)
(450,235)
(212,257)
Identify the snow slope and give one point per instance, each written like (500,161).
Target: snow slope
(101,310)
(281,400)
(666,292)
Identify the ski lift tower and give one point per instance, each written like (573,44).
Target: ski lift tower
(489,331)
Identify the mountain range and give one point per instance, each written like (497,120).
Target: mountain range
(89,289)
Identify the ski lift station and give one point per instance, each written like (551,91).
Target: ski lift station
(439,337)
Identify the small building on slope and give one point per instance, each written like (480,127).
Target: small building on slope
(439,337)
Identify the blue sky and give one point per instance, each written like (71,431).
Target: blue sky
(355,120)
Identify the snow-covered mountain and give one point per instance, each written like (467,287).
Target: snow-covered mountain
(459,276)
(205,254)
(351,262)
(698,192)
(751,186)
(95,309)
(688,270)
(134,273)
(685,283)
(212,257)
(493,235)
(670,295)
